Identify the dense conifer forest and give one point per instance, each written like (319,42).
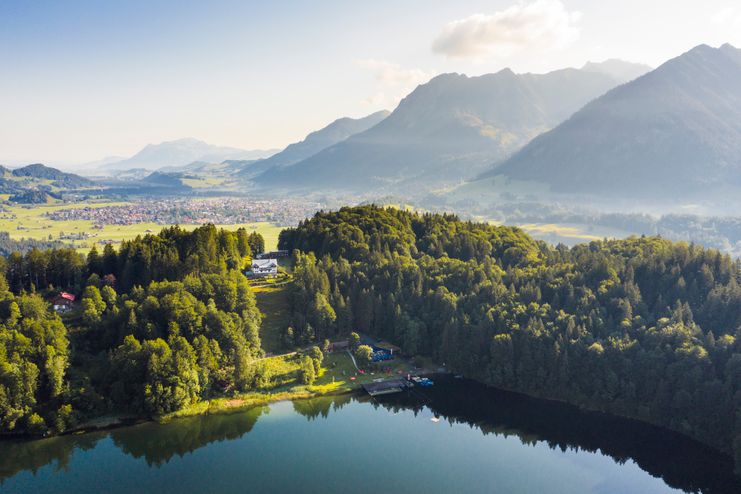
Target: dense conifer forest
(642,327)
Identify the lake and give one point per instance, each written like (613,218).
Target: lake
(455,437)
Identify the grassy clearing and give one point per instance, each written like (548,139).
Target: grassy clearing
(273,303)
(571,233)
(338,370)
(555,229)
(30,222)
(491,191)
(204,182)
(281,280)
(280,371)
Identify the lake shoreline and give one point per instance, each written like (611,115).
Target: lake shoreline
(231,404)
(214,406)
(452,396)
(251,400)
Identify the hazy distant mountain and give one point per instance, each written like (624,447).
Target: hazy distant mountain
(182,152)
(618,69)
(449,129)
(675,130)
(337,131)
(92,167)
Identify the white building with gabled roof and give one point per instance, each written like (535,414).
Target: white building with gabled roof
(264,267)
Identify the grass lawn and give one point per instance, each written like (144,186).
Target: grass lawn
(337,372)
(281,370)
(30,222)
(338,369)
(273,303)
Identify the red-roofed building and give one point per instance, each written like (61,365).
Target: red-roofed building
(63,301)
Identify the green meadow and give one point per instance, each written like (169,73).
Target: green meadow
(32,222)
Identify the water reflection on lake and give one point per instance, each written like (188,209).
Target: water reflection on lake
(457,436)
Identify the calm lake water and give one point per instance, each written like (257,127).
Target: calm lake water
(456,437)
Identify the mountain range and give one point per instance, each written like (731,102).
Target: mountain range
(609,129)
(180,153)
(675,130)
(451,128)
(335,132)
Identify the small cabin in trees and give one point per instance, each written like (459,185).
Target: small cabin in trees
(339,345)
(63,302)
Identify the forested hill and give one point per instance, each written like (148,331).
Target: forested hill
(36,183)
(23,245)
(641,327)
(59,178)
(165,321)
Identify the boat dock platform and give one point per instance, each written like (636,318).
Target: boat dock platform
(385,387)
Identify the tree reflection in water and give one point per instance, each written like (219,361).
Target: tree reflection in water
(681,462)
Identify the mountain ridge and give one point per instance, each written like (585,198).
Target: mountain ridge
(677,128)
(180,153)
(337,131)
(448,129)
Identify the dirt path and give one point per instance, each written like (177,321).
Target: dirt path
(352,357)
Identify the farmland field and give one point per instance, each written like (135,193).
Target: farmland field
(571,233)
(31,222)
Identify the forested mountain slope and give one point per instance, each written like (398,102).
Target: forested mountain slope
(642,327)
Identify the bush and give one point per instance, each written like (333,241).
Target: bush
(36,424)
(364,355)
(307,373)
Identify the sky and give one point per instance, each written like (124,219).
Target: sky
(82,80)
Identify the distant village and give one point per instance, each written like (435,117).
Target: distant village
(225,211)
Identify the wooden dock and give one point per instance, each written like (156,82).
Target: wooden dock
(385,387)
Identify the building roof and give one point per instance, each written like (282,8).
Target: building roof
(264,263)
(272,253)
(65,296)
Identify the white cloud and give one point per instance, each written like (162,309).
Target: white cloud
(538,25)
(388,73)
(727,25)
(393,81)
(728,16)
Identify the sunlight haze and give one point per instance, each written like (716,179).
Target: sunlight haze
(83,80)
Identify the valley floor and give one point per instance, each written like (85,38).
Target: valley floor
(33,222)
